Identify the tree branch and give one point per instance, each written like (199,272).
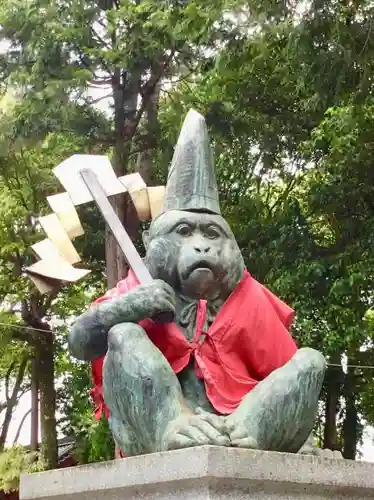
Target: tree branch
(282,197)
(16,437)
(99,99)
(19,378)
(48,301)
(99,39)
(12,400)
(100,82)
(7,381)
(146,93)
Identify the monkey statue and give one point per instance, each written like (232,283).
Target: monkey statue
(225,370)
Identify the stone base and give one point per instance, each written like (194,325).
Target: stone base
(206,473)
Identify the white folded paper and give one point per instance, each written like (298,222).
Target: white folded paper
(55,231)
(68,173)
(64,208)
(137,189)
(156,199)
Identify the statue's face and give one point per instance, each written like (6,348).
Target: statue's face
(196,253)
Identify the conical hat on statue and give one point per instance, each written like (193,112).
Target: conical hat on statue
(192,183)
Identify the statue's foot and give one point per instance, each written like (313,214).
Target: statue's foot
(199,429)
(322,453)
(331,454)
(310,448)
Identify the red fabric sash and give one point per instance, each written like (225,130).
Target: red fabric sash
(248,339)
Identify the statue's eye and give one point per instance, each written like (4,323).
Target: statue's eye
(184,230)
(212,233)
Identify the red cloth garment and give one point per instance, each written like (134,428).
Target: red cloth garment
(247,340)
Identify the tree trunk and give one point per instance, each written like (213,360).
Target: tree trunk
(45,350)
(34,440)
(152,127)
(350,424)
(125,94)
(333,382)
(42,342)
(127,87)
(11,400)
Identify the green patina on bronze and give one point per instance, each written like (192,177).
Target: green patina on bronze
(153,409)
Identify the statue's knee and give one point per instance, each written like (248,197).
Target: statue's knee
(310,360)
(130,346)
(124,334)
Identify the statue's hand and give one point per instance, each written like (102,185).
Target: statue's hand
(149,300)
(239,435)
(197,430)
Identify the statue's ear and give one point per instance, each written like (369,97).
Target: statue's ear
(145,237)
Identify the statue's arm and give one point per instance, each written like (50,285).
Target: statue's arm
(88,338)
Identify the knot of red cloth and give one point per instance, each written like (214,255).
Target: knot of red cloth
(194,346)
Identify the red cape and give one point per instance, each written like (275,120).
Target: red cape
(248,339)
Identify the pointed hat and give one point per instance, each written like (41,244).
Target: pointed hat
(192,183)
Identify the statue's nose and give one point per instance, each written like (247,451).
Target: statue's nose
(201,248)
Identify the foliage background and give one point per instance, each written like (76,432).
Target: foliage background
(286,88)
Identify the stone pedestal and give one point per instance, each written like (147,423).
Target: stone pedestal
(207,473)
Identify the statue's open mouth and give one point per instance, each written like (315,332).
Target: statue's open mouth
(202,265)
